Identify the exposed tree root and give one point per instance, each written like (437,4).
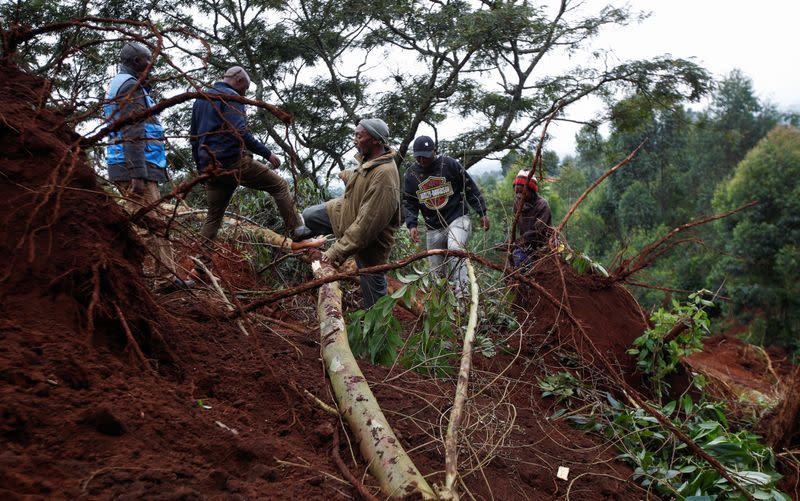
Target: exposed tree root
(345,471)
(594,185)
(650,253)
(132,343)
(216,286)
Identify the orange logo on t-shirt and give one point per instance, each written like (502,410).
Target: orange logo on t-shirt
(434,192)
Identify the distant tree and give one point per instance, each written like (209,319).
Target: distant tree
(571,182)
(734,122)
(762,271)
(636,208)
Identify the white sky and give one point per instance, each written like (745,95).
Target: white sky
(760,38)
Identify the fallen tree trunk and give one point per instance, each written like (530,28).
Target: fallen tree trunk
(236,226)
(456,416)
(388,462)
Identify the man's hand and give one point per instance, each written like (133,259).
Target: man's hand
(138,185)
(485,223)
(414,234)
(309,243)
(316,255)
(274,160)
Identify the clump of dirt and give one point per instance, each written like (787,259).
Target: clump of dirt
(607,313)
(744,369)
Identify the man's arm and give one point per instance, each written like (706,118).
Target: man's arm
(410,201)
(411,204)
(472,192)
(132,101)
(236,116)
(473,195)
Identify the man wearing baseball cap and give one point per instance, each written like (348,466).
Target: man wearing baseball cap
(366,218)
(440,188)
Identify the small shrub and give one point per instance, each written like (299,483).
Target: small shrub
(659,357)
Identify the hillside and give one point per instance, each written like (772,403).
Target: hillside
(110,390)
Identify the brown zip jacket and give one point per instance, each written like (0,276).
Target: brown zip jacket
(365,219)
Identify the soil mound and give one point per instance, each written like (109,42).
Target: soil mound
(109,391)
(607,313)
(743,368)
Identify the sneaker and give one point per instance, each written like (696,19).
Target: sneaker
(184,284)
(302,233)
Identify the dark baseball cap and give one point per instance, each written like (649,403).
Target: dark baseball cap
(424,146)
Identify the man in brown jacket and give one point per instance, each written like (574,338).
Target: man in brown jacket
(366,218)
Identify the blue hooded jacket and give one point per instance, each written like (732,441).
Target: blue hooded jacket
(219,129)
(137,149)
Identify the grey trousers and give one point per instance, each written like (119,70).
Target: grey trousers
(373,285)
(455,237)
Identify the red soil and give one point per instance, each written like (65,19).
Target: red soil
(741,365)
(608,314)
(82,417)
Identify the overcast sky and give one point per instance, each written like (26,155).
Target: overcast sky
(760,38)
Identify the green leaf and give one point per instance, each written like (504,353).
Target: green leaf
(753,477)
(688,404)
(407,279)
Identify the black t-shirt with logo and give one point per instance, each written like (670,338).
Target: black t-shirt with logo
(441,192)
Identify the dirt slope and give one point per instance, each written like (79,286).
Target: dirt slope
(212,413)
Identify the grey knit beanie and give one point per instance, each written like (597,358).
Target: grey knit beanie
(376,128)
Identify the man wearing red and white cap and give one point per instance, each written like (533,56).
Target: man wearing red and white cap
(535,219)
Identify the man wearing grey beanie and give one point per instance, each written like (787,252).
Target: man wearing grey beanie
(366,218)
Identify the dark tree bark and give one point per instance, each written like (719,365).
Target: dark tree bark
(784,427)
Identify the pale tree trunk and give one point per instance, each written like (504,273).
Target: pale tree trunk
(456,416)
(388,462)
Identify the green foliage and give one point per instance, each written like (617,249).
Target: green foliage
(658,357)
(761,269)
(565,388)
(433,345)
(375,333)
(687,157)
(496,318)
(571,182)
(664,464)
(583,263)
(433,349)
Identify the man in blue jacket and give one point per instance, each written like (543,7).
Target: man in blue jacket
(220,137)
(135,155)
(440,188)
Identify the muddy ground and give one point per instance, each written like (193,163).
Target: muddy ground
(110,390)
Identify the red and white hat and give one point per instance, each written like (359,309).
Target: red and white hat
(522,178)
